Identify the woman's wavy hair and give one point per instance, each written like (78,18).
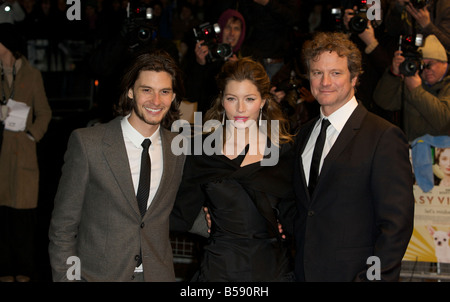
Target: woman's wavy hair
(157,60)
(248,69)
(337,42)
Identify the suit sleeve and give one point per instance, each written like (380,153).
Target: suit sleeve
(68,207)
(392,189)
(187,209)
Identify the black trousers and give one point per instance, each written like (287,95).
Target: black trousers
(17,241)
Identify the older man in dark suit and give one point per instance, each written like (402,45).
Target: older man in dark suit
(97,217)
(355,193)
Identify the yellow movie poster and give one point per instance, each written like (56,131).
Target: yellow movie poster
(430,239)
(431,236)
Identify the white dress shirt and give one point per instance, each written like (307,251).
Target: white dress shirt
(337,121)
(133,140)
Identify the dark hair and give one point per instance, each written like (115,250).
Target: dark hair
(11,38)
(156,60)
(337,42)
(248,69)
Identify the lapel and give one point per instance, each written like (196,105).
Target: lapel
(350,129)
(115,154)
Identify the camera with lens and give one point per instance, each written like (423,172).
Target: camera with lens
(358,23)
(413,57)
(418,4)
(209,34)
(140,27)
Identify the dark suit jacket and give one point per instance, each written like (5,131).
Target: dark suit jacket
(362,206)
(96,215)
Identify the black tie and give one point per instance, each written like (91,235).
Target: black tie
(317,154)
(144,178)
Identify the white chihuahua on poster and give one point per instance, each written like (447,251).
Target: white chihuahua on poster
(441,246)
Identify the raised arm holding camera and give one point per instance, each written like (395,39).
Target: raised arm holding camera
(422,16)
(367,30)
(418,84)
(215,44)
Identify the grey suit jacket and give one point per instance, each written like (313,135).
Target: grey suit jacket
(96,216)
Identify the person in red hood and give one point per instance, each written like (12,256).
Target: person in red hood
(232,26)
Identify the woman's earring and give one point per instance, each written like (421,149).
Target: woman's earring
(260,116)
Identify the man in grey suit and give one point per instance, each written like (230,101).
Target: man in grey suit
(357,212)
(97,231)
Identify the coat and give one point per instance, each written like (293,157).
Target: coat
(362,206)
(96,215)
(19,171)
(425,109)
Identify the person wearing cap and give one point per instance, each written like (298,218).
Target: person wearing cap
(424,98)
(19,171)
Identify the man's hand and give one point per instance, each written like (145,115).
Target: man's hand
(413,82)
(422,15)
(277,95)
(396,61)
(306,95)
(208,218)
(201,51)
(280,229)
(368,35)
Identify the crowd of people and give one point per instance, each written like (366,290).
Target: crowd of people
(318,214)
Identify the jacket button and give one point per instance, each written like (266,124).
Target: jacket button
(142,225)
(137,257)
(310,213)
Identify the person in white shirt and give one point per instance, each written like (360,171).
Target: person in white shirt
(359,201)
(97,221)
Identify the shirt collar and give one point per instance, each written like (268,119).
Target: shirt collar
(134,136)
(340,116)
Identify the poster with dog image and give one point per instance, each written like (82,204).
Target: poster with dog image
(431,236)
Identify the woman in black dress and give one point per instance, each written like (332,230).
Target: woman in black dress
(245,184)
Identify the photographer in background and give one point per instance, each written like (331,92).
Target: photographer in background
(421,16)
(21,86)
(201,71)
(424,97)
(376,47)
(138,33)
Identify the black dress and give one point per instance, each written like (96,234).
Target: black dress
(245,204)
